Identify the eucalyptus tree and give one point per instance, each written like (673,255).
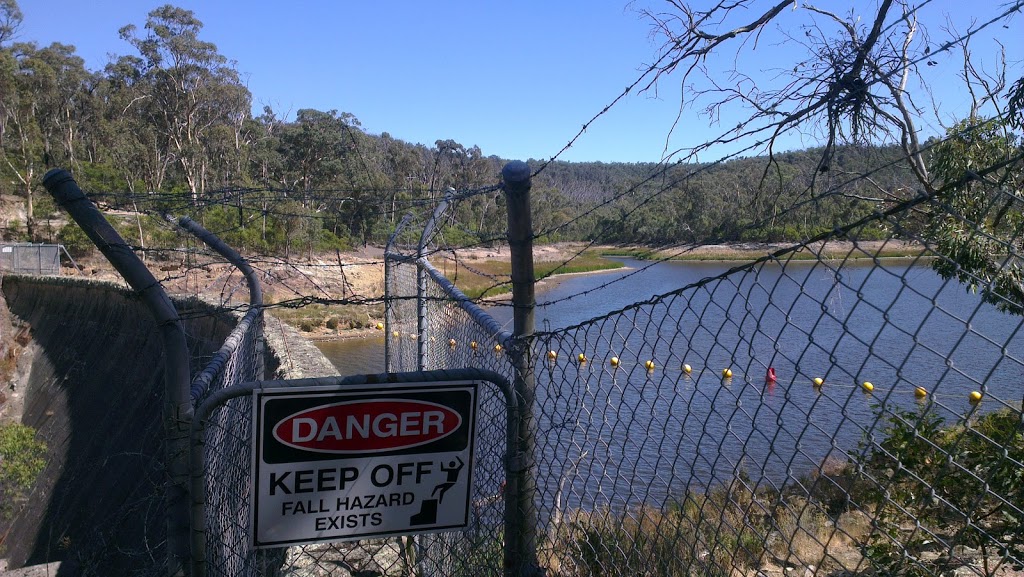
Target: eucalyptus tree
(60,79)
(137,149)
(184,83)
(314,149)
(21,142)
(42,96)
(399,163)
(978,218)
(10,20)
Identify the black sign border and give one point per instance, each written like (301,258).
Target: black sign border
(377,389)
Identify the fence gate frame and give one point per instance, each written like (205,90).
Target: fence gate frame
(217,399)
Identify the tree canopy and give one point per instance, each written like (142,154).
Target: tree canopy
(170,126)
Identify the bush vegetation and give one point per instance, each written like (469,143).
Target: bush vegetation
(22,458)
(915,503)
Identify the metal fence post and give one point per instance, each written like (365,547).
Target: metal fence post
(390,255)
(521,485)
(422,322)
(177,404)
(252,321)
(251,280)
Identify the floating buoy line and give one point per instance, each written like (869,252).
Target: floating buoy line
(771,378)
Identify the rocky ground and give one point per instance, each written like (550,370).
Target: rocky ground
(357,276)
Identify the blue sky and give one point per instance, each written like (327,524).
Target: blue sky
(516,79)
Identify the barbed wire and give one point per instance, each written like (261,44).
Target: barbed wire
(229,197)
(664,167)
(834,190)
(776,255)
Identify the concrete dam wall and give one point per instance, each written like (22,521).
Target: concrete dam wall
(94,394)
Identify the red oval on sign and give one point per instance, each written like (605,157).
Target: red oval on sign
(367,426)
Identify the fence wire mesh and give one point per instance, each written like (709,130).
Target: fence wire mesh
(887,440)
(227,458)
(30,258)
(227,447)
(457,335)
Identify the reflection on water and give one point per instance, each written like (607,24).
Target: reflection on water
(355,356)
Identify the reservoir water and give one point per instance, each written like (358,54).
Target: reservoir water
(628,434)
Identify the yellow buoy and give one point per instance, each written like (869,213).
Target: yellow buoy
(975,397)
(868,387)
(451,342)
(497,348)
(394,334)
(472,345)
(920,392)
(687,368)
(818,381)
(552,355)
(581,357)
(649,365)
(727,373)
(614,361)
(380,326)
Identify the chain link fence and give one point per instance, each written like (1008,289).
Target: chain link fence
(803,414)
(222,453)
(22,258)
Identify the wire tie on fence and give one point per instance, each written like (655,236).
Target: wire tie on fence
(516,462)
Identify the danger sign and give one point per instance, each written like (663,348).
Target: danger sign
(342,463)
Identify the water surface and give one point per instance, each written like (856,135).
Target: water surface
(626,433)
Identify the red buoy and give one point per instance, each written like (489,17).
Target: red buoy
(770,377)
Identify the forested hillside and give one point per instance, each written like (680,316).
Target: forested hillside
(170,127)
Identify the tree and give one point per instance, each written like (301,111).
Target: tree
(10,20)
(977,220)
(190,87)
(136,148)
(314,149)
(855,87)
(59,78)
(21,144)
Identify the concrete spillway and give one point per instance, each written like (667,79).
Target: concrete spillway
(94,393)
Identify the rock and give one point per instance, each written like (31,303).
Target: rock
(33,571)
(855,524)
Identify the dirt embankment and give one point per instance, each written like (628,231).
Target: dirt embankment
(353,281)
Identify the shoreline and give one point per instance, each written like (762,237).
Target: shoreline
(749,251)
(557,278)
(347,334)
(888,250)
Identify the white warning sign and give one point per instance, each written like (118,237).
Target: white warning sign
(344,463)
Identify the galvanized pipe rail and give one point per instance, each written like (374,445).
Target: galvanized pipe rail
(252,318)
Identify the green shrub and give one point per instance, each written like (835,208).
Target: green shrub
(22,458)
(327,241)
(956,482)
(75,241)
